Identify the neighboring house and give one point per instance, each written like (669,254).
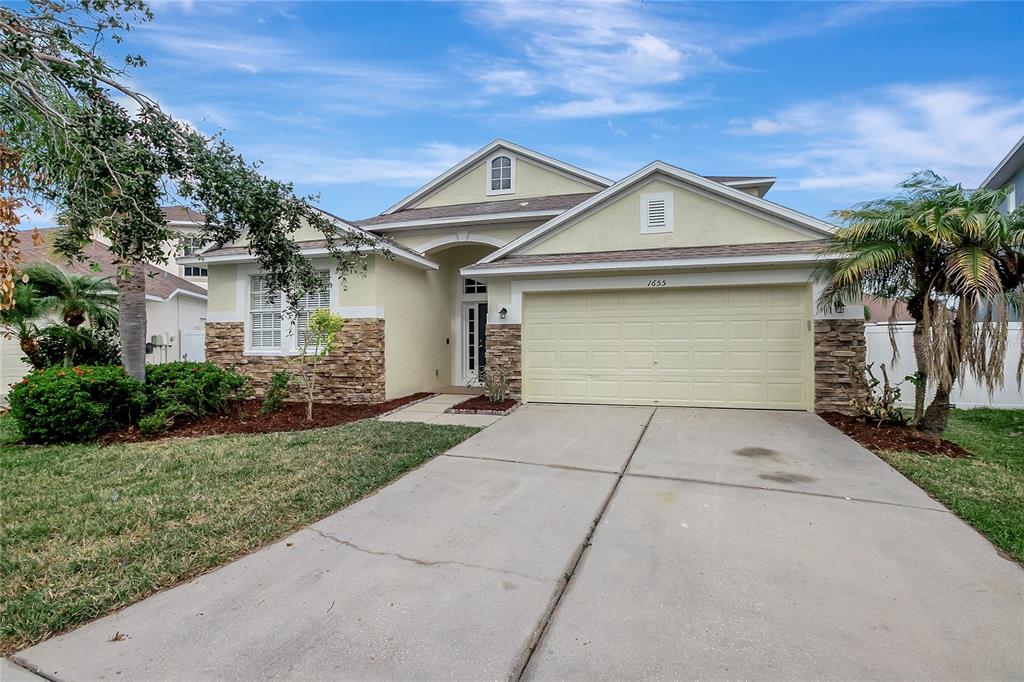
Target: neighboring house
(664,288)
(175,308)
(189,224)
(1009,174)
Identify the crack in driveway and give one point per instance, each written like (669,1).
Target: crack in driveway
(425,562)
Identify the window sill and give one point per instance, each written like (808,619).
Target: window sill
(259,352)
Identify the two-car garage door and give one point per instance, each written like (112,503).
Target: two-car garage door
(743,347)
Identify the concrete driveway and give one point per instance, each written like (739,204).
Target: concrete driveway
(571,542)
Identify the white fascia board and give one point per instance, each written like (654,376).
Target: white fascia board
(176,292)
(654,264)
(489,218)
(409,257)
(813,225)
(747,182)
(994,181)
(486,151)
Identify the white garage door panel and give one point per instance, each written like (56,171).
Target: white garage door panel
(720,347)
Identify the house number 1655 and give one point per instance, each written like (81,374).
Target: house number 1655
(657,283)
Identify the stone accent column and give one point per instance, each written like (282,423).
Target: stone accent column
(504,345)
(353,374)
(837,345)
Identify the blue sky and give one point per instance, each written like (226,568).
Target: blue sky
(362,103)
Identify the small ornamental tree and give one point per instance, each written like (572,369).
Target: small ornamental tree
(318,340)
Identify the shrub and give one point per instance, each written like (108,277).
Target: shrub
(495,381)
(94,346)
(876,400)
(276,393)
(195,389)
(75,404)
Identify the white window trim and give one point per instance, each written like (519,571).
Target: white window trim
(645,199)
(487,174)
(289,337)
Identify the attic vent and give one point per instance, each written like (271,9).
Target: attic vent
(655,212)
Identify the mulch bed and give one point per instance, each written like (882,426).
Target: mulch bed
(479,404)
(245,417)
(892,437)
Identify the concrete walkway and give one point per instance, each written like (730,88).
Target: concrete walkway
(569,542)
(432,411)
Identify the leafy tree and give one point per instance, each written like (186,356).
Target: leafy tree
(955,260)
(109,170)
(75,298)
(318,340)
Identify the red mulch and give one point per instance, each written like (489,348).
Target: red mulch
(892,437)
(245,417)
(480,402)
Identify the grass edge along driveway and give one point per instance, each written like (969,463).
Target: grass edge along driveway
(987,490)
(87,529)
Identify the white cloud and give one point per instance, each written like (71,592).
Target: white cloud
(615,57)
(395,167)
(873,140)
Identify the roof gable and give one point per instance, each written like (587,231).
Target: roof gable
(550,176)
(709,212)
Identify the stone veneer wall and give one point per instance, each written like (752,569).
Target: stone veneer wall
(837,344)
(352,374)
(504,344)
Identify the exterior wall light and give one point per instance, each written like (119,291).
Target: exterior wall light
(503,313)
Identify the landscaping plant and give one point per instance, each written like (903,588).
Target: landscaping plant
(956,261)
(876,399)
(494,379)
(277,392)
(318,340)
(75,404)
(194,389)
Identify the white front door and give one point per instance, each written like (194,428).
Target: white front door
(473,336)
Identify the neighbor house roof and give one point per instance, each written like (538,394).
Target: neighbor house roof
(160,284)
(685,256)
(182,214)
(1007,168)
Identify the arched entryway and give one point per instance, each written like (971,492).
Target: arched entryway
(466,307)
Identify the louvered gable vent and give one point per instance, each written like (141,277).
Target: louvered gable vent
(655,212)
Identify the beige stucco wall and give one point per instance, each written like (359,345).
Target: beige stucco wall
(698,221)
(222,288)
(418,311)
(531,180)
(416,239)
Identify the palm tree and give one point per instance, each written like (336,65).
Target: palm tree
(954,259)
(76,298)
(19,321)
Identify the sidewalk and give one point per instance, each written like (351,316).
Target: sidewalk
(432,411)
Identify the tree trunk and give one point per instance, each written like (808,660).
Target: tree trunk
(936,417)
(921,360)
(131,320)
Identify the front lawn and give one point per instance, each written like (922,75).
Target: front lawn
(87,529)
(986,490)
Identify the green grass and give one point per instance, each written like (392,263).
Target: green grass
(986,490)
(88,529)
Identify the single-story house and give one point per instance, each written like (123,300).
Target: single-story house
(175,307)
(664,288)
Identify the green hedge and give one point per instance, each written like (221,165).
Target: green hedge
(75,404)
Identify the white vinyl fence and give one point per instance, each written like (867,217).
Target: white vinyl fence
(970,394)
(193,345)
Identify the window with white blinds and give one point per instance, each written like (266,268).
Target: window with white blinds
(655,212)
(310,301)
(264,315)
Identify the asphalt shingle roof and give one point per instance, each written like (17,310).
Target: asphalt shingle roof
(159,283)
